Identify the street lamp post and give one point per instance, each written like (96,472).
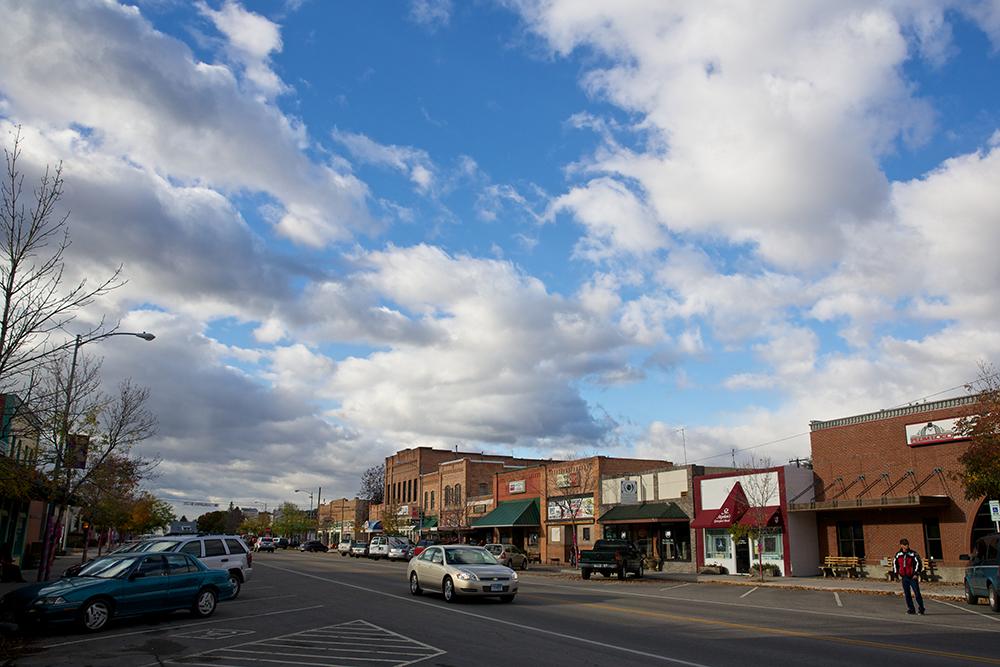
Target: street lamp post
(48,551)
(308,493)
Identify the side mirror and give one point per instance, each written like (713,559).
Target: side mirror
(964,557)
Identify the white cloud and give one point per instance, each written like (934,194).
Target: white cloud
(252,39)
(411,162)
(431,14)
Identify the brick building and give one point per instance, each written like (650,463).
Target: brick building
(342,518)
(885,475)
(518,495)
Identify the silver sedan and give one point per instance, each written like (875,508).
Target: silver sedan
(457,570)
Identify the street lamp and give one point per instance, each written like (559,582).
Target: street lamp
(308,493)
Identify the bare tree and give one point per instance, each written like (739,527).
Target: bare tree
(576,507)
(37,304)
(453,515)
(761,491)
(373,484)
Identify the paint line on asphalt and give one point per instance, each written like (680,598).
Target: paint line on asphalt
(297,655)
(281,644)
(744,605)
(270,597)
(178,627)
(491,620)
(836,596)
(670,588)
(995,619)
(749,592)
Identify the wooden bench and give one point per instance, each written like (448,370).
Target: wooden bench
(838,566)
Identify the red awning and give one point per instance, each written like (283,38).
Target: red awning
(730,512)
(771,517)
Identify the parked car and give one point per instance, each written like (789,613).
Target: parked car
(509,555)
(359,549)
(609,557)
(399,548)
(126,584)
(458,570)
(313,545)
(217,552)
(265,543)
(74,570)
(982,575)
(388,546)
(281,542)
(419,547)
(344,546)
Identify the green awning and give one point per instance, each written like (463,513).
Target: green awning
(428,522)
(511,513)
(644,513)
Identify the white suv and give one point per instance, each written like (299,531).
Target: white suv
(382,546)
(217,552)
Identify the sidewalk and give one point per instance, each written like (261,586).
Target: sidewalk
(936,590)
(58,566)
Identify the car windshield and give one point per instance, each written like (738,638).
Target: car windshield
(494,549)
(107,568)
(469,557)
(157,546)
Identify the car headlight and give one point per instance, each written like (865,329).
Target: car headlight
(50,601)
(467,576)
(513,575)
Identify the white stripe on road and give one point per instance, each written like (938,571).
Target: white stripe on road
(492,620)
(178,627)
(299,655)
(277,642)
(749,592)
(836,596)
(971,611)
(670,588)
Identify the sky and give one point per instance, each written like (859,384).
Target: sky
(550,228)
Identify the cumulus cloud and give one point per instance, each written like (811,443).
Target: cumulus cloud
(252,39)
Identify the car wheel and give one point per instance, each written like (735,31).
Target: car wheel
(585,574)
(507,598)
(621,574)
(524,564)
(415,585)
(95,615)
(449,590)
(204,604)
(991,595)
(969,597)
(237,583)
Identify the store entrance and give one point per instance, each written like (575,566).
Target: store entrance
(743,556)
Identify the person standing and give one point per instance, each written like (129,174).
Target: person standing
(907,566)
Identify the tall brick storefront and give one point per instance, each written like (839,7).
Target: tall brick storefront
(889,474)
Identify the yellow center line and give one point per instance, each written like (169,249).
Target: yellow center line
(800,634)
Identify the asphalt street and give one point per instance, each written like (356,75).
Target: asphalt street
(323,609)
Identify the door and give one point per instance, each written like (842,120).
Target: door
(743,556)
(147,589)
(184,580)
(216,557)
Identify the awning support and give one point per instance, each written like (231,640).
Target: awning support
(847,488)
(867,488)
(936,471)
(909,473)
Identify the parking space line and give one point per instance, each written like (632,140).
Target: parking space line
(995,619)
(836,596)
(343,650)
(299,655)
(670,588)
(749,592)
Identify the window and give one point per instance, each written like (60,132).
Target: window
(484,488)
(432,500)
(437,557)
(850,539)
(214,548)
(447,495)
(932,539)
(772,545)
(718,544)
(193,548)
(152,566)
(179,564)
(234,546)
(586,534)
(457,494)
(425,499)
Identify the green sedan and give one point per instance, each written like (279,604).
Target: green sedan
(125,584)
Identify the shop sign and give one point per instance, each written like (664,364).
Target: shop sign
(565,480)
(933,433)
(629,492)
(479,509)
(516,486)
(571,508)
(404,510)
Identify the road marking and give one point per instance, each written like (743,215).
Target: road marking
(491,620)
(291,647)
(749,592)
(178,627)
(796,610)
(270,597)
(836,596)
(801,634)
(213,633)
(670,588)
(995,619)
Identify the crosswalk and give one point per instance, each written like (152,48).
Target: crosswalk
(343,645)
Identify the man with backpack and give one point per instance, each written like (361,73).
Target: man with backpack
(907,566)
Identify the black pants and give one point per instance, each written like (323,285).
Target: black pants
(912,583)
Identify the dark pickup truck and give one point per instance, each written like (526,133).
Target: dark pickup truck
(611,557)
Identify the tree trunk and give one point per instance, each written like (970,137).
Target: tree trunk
(86,543)
(760,559)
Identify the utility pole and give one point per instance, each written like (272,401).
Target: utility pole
(684,444)
(734,457)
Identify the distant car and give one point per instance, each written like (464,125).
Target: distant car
(359,549)
(265,544)
(982,575)
(399,549)
(421,545)
(509,555)
(281,542)
(217,552)
(126,584)
(344,547)
(458,570)
(313,545)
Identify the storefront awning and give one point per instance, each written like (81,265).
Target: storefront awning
(644,513)
(762,516)
(735,506)
(511,513)
(428,523)
(373,527)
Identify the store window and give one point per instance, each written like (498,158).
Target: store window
(772,545)
(850,539)
(932,539)
(718,544)
(586,534)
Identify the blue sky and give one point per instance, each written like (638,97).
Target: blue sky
(549,227)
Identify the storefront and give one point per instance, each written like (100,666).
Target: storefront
(570,527)
(732,507)
(516,522)
(660,530)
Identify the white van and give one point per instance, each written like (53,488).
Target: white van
(383,546)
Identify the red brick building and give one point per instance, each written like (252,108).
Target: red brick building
(889,474)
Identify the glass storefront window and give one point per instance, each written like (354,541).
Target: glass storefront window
(718,544)
(772,544)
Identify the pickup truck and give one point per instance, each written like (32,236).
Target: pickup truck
(611,556)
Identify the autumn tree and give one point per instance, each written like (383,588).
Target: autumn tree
(980,471)
(213,522)
(290,521)
(149,513)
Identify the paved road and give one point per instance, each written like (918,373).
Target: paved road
(322,609)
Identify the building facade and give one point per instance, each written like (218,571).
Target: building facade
(342,519)
(886,475)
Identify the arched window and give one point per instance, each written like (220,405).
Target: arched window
(447,495)
(432,500)
(458,494)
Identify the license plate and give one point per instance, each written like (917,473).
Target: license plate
(496,587)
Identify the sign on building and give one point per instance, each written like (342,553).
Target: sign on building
(565,480)
(76,451)
(933,433)
(629,492)
(568,509)
(516,486)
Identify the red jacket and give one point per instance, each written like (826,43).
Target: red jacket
(907,563)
